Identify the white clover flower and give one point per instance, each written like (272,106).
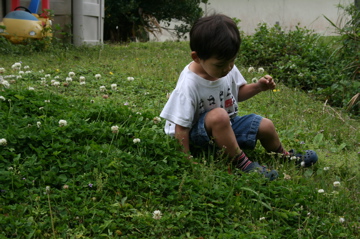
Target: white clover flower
(26,67)
(286,176)
(113,86)
(28,72)
(293,158)
(47,101)
(261,70)
(302,164)
(2,70)
(31,88)
(157,214)
(326,168)
(62,123)
(21,73)
(57,77)
(5,83)
(47,76)
(82,83)
(82,78)
(156,120)
(18,77)
(2,98)
(71,74)
(115,129)
(68,79)
(251,69)
(102,88)
(301,75)
(3,142)
(10,168)
(130,78)
(168,95)
(56,83)
(47,189)
(38,124)
(262,218)
(16,66)
(136,140)
(336,184)
(41,71)
(341,220)
(321,191)
(254,80)
(97,76)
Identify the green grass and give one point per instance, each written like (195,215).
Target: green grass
(103,185)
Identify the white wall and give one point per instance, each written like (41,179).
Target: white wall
(287,13)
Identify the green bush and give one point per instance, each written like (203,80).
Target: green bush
(302,59)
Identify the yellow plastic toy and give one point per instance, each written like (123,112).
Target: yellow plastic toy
(20,25)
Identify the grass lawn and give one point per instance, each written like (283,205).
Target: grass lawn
(86,156)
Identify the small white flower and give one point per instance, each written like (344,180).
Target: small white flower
(97,76)
(286,176)
(68,79)
(41,71)
(57,77)
(56,83)
(82,78)
(2,70)
(71,74)
(341,220)
(62,123)
(293,158)
(82,83)
(16,66)
(38,124)
(251,69)
(28,72)
(113,86)
(41,108)
(10,168)
(321,191)
(18,77)
(168,95)
(136,140)
(5,83)
(130,78)
(262,218)
(157,214)
(156,120)
(47,101)
(102,88)
(301,75)
(47,76)
(26,67)
(254,80)
(21,73)
(326,168)
(302,164)
(261,70)
(115,129)
(336,184)
(47,189)
(3,142)
(2,98)
(31,88)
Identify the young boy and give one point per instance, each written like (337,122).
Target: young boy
(203,107)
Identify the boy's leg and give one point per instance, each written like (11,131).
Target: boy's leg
(270,141)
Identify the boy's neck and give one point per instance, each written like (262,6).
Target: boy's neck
(198,70)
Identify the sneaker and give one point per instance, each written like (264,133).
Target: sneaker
(254,166)
(305,160)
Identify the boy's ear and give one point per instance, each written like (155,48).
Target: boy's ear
(195,57)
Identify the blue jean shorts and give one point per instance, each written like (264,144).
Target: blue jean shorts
(245,129)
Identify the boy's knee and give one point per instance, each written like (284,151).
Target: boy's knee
(217,116)
(266,125)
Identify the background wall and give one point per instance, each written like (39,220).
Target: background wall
(286,13)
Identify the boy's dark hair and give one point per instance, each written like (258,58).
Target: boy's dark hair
(215,36)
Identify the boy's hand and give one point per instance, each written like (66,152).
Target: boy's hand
(266,83)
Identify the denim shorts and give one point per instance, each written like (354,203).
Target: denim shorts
(245,129)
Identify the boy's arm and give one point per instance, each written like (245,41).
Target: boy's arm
(249,90)
(182,135)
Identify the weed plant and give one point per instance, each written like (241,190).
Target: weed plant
(84,158)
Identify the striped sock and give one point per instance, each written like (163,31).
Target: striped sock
(241,161)
(282,151)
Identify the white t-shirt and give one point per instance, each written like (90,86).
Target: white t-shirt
(195,95)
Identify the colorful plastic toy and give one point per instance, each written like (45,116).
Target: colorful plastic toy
(27,24)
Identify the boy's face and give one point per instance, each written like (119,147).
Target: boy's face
(216,68)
